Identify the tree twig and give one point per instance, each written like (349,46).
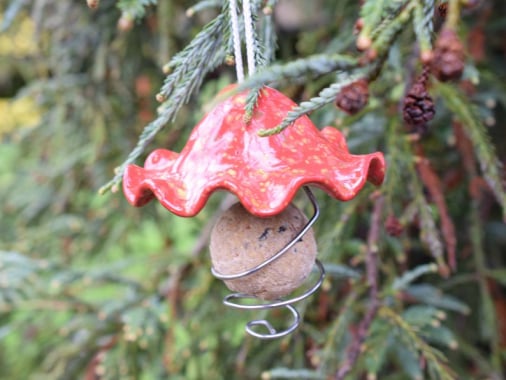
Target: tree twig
(435,187)
(355,347)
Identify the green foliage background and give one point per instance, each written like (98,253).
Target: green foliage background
(91,287)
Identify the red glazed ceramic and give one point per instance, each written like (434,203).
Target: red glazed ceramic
(225,152)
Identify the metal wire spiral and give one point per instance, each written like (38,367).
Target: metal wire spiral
(232,300)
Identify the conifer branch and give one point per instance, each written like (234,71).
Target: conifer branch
(145,313)
(428,230)
(326,96)
(384,39)
(389,14)
(135,8)
(402,282)
(260,45)
(487,309)
(423,25)
(251,102)
(319,64)
(373,236)
(397,158)
(376,17)
(189,67)
(256,58)
(401,158)
(433,184)
(268,36)
(435,359)
(203,5)
(466,113)
(259,48)
(371,14)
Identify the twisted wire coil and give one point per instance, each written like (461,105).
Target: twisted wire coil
(233,299)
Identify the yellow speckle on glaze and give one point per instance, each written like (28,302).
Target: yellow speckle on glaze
(262,173)
(232,172)
(240,100)
(230,119)
(256,203)
(181,193)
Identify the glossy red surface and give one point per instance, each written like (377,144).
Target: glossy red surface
(224,152)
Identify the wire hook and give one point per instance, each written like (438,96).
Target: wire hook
(272,332)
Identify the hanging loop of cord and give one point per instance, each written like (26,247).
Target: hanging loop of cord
(236,35)
(255,327)
(249,38)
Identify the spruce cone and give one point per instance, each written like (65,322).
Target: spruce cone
(443,9)
(418,108)
(448,62)
(353,97)
(393,226)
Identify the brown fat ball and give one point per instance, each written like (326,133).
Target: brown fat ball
(448,60)
(241,241)
(353,97)
(418,108)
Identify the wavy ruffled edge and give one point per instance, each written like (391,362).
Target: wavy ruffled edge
(139,189)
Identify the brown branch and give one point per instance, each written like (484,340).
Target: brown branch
(431,180)
(465,148)
(355,347)
(92,371)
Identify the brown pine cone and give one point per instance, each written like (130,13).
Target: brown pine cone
(393,226)
(448,62)
(418,108)
(353,97)
(443,9)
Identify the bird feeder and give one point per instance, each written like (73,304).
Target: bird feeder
(226,152)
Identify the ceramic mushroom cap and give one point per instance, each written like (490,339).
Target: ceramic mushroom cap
(226,152)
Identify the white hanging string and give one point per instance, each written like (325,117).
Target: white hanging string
(250,41)
(236,34)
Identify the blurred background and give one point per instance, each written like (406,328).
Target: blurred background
(93,288)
